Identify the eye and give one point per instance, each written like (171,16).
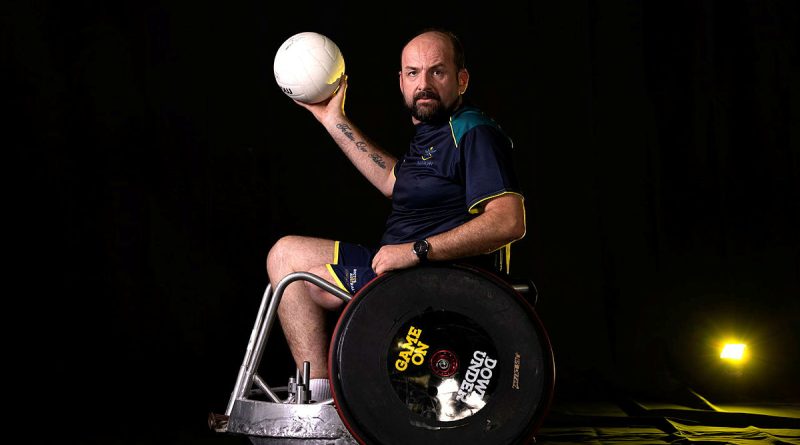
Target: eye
(411,73)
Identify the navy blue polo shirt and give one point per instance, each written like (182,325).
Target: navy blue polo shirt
(449,171)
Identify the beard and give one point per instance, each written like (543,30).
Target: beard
(433,111)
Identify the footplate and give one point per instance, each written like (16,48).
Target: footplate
(265,421)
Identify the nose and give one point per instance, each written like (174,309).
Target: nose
(424,82)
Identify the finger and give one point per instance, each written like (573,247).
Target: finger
(302,104)
(311,107)
(340,95)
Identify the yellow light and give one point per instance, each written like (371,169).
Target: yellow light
(733,351)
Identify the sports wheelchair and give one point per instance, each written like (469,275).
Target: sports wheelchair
(433,354)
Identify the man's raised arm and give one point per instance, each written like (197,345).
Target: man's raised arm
(373,162)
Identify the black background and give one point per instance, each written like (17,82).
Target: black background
(152,162)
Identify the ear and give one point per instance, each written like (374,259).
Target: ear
(463,81)
(400,79)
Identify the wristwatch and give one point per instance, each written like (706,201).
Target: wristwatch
(421,249)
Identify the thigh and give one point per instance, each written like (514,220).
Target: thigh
(353,266)
(319,295)
(301,253)
(351,254)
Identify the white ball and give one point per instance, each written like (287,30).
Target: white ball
(308,67)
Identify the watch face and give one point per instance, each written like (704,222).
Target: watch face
(421,247)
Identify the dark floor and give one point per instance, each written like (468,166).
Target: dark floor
(638,422)
(610,419)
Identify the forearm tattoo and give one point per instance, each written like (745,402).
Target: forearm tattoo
(376,158)
(361,145)
(346,130)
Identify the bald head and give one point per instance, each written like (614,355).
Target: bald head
(443,37)
(430,78)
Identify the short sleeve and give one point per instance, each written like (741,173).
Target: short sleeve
(488,167)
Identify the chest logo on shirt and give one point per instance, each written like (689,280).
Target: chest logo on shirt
(428,154)
(427,157)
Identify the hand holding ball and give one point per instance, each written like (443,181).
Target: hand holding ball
(308,67)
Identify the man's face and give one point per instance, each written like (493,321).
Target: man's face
(430,83)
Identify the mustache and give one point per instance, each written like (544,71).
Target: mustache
(426,94)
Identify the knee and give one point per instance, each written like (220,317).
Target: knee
(279,257)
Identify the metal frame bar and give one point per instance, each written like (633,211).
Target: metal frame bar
(263,325)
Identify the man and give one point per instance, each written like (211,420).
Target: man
(454,196)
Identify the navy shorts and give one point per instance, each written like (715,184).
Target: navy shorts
(351,268)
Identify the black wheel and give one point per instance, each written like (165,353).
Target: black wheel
(447,354)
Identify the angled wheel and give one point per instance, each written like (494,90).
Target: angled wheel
(446,354)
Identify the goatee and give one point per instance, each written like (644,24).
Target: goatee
(432,111)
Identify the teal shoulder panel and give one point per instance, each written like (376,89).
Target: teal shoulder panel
(466,119)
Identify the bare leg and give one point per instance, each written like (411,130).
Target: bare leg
(302,308)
